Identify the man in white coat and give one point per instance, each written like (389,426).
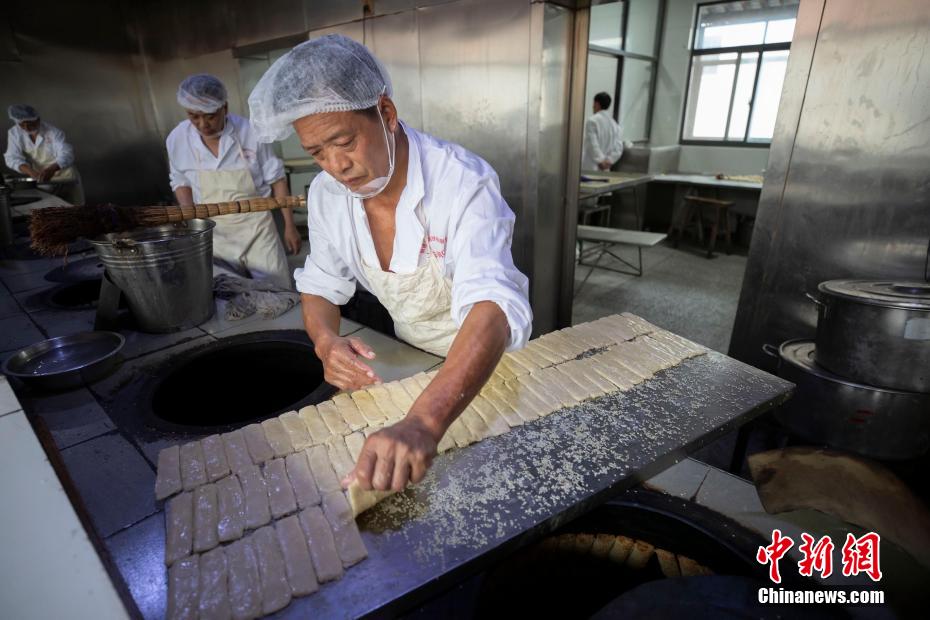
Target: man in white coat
(214,156)
(419,222)
(603,139)
(40,150)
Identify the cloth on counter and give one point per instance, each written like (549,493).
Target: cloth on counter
(246,297)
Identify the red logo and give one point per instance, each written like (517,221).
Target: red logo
(437,246)
(773,553)
(860,555)
(817,557)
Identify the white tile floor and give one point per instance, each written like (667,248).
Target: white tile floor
(42,539)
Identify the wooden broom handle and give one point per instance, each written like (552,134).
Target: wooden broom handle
(252,205)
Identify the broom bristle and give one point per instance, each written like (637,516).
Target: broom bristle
(52,229)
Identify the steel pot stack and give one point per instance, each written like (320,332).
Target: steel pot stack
(864,384)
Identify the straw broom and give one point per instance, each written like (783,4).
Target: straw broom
(53,228)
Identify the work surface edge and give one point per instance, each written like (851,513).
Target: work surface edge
(480,503)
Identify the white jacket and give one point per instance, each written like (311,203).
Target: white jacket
(470,226)
(19,144)
(602,140)
(187,154)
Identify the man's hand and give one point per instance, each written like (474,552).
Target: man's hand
(292,239)
(395,456)
(604,165)
(341,364)
(47,173)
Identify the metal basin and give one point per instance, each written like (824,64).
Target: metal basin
(829,409)
(66,362)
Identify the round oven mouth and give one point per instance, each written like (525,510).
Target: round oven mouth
(75,296)
(552,579)
(236,381)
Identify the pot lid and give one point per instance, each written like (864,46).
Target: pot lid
(894,294)
(802,354)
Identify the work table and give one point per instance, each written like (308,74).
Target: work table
(109,472)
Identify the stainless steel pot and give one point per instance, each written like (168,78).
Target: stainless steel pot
(828,409)
(875,332)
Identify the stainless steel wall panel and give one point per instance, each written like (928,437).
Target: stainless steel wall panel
(353,30)
(386,7)
(847,189)
(474,58)
(325,13)
(547,159)
(184,30)
(577,114)
(395,40)
(254,22)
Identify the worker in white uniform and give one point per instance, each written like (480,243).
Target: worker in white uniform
(419,222)
(214,156)
(40,150)
(603,137)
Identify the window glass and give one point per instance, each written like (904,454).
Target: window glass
(712,78)
(768,92)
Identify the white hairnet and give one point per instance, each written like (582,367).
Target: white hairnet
(202,92)
(332,73)
(19,112)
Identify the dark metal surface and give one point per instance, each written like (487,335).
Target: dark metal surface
(478,504)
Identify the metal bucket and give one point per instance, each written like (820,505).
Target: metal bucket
(164,272)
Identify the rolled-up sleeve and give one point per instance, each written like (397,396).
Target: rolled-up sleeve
(64,153)
(272,166)
(324,273)
(13,157)
(484,270)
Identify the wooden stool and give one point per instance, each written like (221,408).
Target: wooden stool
(693,207)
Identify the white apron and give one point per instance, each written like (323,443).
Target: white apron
(68,180)
(420,302)
(247,243)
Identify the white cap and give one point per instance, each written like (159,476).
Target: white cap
(19,112)
(202,92)
(332,73)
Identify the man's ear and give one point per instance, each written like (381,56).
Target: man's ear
(389,112)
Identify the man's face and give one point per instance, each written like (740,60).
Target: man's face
(30,127)
(349,146)
(208,125)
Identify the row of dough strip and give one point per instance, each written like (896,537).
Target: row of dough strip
(257,516)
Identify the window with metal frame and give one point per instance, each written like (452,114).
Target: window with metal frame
(623,50)
(738,60)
